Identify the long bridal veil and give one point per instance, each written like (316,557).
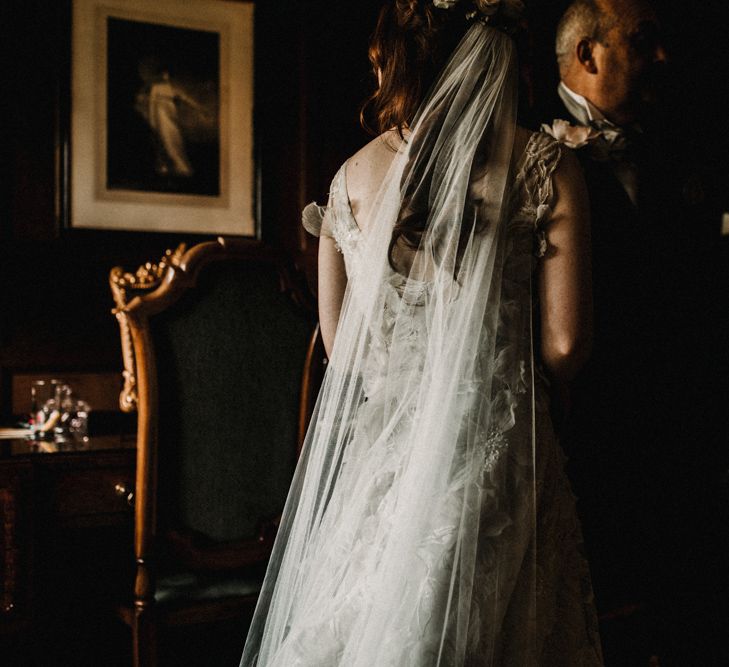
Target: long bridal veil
(408,536)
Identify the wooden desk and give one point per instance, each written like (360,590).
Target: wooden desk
(61,517)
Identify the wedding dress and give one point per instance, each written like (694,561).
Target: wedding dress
(430,522)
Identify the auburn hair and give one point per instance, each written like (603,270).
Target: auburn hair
(412,41)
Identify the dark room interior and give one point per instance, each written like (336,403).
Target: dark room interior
(68,567)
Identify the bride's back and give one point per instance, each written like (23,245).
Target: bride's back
(367,168)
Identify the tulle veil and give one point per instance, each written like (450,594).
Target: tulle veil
(408,536)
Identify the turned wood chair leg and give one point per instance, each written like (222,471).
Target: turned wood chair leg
(144,638)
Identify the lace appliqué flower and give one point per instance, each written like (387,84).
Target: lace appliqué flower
(541,245)
(496,444)
(345,236)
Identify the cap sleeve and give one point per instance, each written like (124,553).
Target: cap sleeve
(319,220)
(543,155)
(312,218)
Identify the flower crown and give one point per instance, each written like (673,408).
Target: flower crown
(506,13)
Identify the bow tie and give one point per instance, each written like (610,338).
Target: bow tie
(613,143)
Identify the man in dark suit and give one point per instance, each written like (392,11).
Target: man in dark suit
(633,417)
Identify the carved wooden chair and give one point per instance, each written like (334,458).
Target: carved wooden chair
(222,364)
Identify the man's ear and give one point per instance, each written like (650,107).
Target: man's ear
(584,55)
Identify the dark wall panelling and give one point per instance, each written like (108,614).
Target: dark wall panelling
(55,310)
(312,74)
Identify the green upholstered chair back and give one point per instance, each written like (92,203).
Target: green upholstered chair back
(229,356)
(221,364)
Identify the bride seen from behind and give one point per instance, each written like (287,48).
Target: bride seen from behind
(430,522)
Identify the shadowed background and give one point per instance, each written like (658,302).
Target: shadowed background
(312,74)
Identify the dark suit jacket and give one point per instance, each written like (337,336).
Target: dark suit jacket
(633,407)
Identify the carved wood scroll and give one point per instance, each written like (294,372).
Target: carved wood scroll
(124,287)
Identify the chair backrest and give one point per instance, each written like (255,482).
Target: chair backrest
(218,352)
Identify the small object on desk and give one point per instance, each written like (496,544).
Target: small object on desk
(15,433)
(50,421)
(45,399)
(61,417)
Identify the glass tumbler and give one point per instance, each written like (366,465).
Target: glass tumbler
(44,406)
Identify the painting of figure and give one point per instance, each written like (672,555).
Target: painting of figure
(161,117)
(163,108)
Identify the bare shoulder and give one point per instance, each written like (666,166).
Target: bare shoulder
(569,162)
(570,189)
(373,158)
(367,169)
(569,170)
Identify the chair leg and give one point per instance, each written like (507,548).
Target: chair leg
(144,638)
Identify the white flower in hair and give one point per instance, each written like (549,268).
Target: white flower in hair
(445,4)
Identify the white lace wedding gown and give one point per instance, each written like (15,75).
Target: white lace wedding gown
(341,573)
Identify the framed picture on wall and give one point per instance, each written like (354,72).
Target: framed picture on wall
(162,116)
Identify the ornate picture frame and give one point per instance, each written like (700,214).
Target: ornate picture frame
(161,117)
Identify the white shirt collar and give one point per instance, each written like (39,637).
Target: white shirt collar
(586,113)
(580,107)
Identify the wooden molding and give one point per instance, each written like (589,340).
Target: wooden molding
(146,278)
